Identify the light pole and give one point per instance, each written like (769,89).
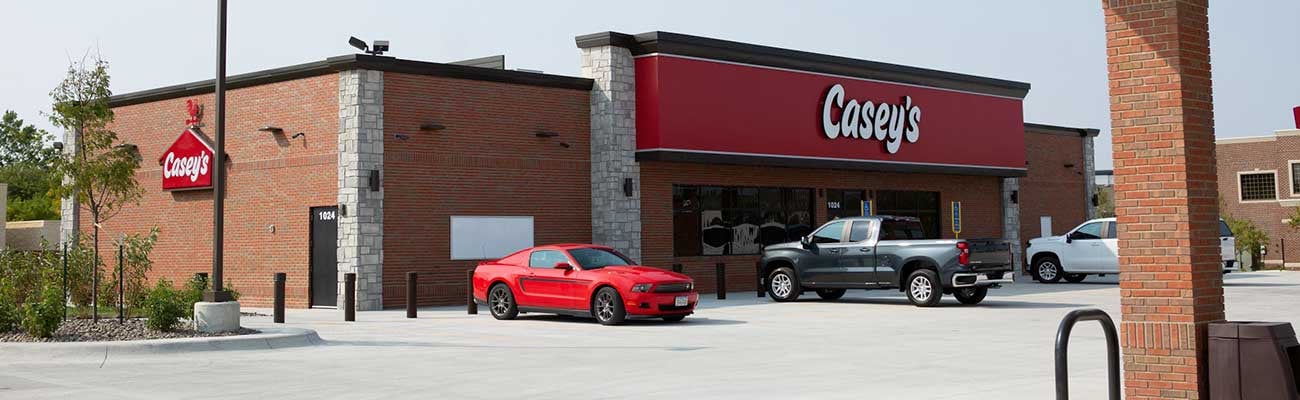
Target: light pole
(217,293)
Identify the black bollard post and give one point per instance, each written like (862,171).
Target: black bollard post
(279,280)
(471,306)
(350,296)
(720,271)
(65,280)
(121,284)
(677,268)
(758,273)
(410,294)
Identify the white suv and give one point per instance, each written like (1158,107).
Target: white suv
(1092,249)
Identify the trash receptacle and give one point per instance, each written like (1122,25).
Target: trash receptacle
(1253,361)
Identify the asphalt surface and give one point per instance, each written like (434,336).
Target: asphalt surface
(868,345)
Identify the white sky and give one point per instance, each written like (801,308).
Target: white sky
(1057,46)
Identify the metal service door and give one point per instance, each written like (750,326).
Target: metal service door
(324,256)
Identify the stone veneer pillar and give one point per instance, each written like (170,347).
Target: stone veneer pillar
(361,209)
(1011,222)
(4,209)
(615,216)
(69,210)
(1089,177)
(1166,198)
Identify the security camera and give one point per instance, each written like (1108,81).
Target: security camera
(379,47)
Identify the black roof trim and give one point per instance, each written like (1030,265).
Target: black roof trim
(1060,130)
(725,50)
(350,62)
(865,165)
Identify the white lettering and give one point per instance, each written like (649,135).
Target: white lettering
(835,97)
(888,123)
(192,166)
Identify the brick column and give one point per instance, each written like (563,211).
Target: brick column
(615,215)
(1171,286)
(361,209)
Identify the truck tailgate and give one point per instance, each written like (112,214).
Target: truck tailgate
(991,254)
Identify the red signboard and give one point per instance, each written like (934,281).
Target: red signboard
(187,164)
(724,109)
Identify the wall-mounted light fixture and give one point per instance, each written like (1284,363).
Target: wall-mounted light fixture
(545,134)
(298,135)
(374,180)
(1095,200)
(272,129)
(400,136)
(1069,165)
(627,187)
(432,126)
(1015,197)
(565,145)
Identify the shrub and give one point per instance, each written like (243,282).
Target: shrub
(164,307)
(10,315)
(44,315)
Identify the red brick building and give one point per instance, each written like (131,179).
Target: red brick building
(1259,180)
(674,149)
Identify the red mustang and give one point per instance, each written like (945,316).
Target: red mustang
(581,280)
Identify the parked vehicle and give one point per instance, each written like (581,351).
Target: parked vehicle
(582,280)
(1093,249)
(885,252)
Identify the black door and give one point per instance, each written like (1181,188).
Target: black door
(324,256)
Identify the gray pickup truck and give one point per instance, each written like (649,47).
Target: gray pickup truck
(884,252)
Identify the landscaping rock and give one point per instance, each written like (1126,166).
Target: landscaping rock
(85,330)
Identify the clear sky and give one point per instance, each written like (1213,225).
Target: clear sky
(1057,46)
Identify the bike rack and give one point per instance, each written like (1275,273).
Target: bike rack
(1063,344)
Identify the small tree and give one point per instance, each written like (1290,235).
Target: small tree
(1249,237)
(1105,201)
(100,173)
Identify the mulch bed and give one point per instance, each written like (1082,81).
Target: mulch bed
(86,330)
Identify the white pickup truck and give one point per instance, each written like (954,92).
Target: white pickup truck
(1092,249)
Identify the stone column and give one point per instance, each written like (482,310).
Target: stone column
(1166,198)
(1089,177)
(361,209)
(615,216)
(1011,223)
(4,211)
(69,210)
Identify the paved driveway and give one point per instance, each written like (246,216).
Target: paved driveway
(869,345)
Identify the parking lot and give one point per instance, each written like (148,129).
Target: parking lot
(868,345)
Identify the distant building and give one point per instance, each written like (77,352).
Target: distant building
(1259,180)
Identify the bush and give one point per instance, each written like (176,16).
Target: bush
(164,307)
(44,316)
(10,315)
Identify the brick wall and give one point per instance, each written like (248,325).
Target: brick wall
(486,162)
(272,180)
(1052,188)
(979,195)
(1269,153)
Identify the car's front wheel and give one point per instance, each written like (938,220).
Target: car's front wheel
(1047,270)
(971,295)
(608,307)
(783,285)
(923,288)
(830,294)
(501,303)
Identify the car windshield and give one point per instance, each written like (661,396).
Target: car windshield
(593,258)
(1223,229)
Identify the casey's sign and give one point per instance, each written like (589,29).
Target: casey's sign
(187,163)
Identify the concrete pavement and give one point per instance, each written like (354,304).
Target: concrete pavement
(869,345)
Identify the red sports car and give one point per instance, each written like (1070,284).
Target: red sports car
(582,280)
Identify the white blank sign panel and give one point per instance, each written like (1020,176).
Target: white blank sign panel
(489,237)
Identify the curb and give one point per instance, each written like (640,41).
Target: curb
(267,339)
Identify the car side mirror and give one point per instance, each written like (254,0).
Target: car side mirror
(1069,238)
(806,241)
(564,266)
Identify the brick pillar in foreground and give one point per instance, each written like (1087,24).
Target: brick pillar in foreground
(1162,120)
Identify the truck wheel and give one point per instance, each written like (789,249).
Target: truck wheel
(783,284)
(1075,278)
(924,289)
(971,295)
(502,303)
(830,294)
(1047,270)
(608,307)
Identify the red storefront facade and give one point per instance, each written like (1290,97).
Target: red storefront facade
(674,149)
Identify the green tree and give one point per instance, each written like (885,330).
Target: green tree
(100,172)
(1248,237)
(26,165)
(1105,201)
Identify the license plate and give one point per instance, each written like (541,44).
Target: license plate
(681,301)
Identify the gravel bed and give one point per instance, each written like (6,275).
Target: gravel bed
(85,330)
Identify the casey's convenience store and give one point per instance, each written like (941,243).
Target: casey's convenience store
(675,149)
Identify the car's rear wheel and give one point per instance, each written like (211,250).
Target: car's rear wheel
(923,288)
(674,318)
(830,294)
(783,284)
(608,307)
(1075,278)
(971,295)
(1047,270)
(501,303)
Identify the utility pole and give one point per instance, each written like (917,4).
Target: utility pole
(217,293)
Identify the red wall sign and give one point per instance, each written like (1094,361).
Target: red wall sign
(187,164)
(690,105)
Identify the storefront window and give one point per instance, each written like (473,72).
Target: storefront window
(843,203)
(903,203)
(715,220)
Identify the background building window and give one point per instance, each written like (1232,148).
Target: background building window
(1295,177)
(1257,186)
(904,203)
(716,220)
